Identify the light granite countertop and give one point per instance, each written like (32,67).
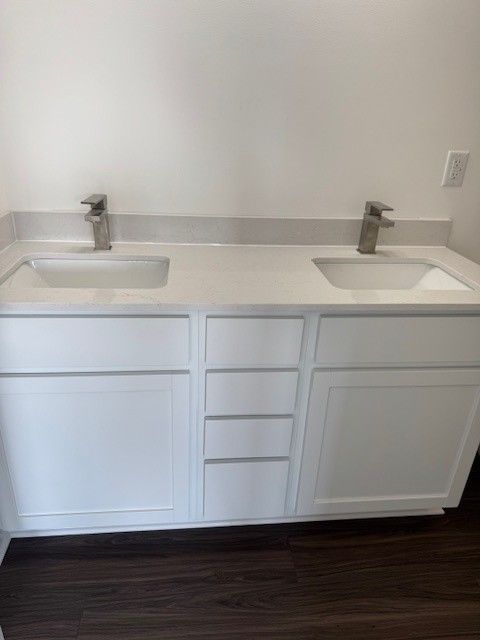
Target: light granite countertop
(238,277)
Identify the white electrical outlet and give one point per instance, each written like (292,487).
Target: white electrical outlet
(455,168)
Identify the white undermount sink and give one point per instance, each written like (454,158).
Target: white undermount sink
(377,274)
(89,273)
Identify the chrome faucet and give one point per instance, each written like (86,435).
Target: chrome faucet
(98,216)
(372,221)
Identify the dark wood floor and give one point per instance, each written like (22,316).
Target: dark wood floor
(390,579)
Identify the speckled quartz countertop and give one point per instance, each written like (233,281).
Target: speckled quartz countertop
(238,277)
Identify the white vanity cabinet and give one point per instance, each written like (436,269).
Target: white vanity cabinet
(117,422)
(389,427)
(93,450)
(94,422)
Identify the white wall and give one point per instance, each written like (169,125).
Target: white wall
(3,200)
(243,107)
(3,192)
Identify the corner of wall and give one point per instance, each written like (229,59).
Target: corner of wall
(7,229)
(4,543)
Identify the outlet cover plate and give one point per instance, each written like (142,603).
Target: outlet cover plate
(455,168)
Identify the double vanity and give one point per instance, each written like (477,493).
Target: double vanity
(179,385)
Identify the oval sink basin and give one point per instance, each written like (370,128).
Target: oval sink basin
(356,274)
(89,273)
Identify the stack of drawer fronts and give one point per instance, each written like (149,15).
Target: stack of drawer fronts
(251,377)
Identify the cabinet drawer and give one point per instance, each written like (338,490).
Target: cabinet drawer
(92,344)
(398,340)
(254,341)
(251,393)
(236,490)
(248,438)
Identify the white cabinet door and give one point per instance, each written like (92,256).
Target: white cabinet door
(388,440)
(87,451)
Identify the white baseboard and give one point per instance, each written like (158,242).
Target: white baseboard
(4,542)
(222,523)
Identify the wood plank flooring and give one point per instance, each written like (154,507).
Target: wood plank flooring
(394,579)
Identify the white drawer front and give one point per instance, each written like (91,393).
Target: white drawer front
(398,340)
(251,393)
(254,341)
(93,344)
(248,438)
(242,490)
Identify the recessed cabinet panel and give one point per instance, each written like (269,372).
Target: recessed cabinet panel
(244,490)
(248,438)
(96,445)
(381,440)
(397,341)
(251,393)
(254,341)
(93,344)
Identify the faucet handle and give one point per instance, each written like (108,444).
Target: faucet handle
(374,208)
(97,201)
(378,221)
